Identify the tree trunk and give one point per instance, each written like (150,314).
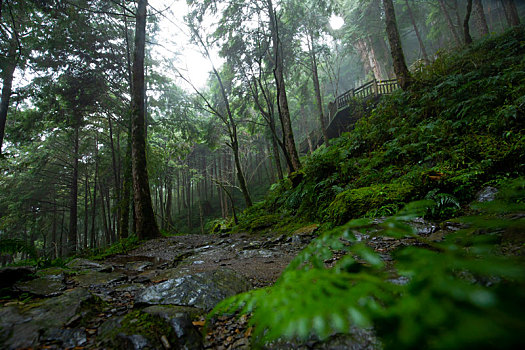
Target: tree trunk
(317,88)
(449,22)
(146,225)
(73,204)
(86,212)
(418,35)
(481,20)
(466,29)
(115,175)
(400,67)
(7,77)
(282,100)
(511,13)
(94,202)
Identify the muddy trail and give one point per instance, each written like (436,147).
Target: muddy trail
(153,297)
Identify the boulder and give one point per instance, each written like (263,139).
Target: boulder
(179,318)
(25,326)
(202,290)
(487,194)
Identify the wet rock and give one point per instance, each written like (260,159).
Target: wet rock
(11,275)
(134,341)
(67,338)
(84,264)
(487,194)
(202,290)
(47,286)
(24,326)
(138,266)
(422,226)
(179,318)
(94,278)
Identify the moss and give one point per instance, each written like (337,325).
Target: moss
(357,202)
(138,322)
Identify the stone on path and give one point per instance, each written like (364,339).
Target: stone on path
(84,264)
(95,278)
(202,290)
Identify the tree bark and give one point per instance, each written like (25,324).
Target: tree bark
(317,88)
(466,29)
(86,212)
(115,176)
(418,35)
(481,19)
(400,67)
(146,226)
(73,203)
(511,12)
(7,77)
(94,202)
(282,100)
(449,22)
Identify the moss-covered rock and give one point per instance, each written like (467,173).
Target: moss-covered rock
(136,330)
(357,202)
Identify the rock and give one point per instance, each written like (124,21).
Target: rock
(423,227)
(134,341)
(84,264)
(68,338)
(202,290)
(48,286)
(138,266)
(11,275)
(306,230)
(179,318)
(488,194)
(27,325)
(357,339)
(93,278)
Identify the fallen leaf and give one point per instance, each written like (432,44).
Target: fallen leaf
(199,323)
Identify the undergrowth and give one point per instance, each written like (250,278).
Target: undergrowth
(458,127)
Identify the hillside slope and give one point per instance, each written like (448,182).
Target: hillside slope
(421,158)
(460,126)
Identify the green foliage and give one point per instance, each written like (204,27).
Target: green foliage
(446,205)
(13,246)
(457,293)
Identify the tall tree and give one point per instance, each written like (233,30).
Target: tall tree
(466,28)
(400,67)
(511,12)
(282,100)
(418,35)
(449,22)
(481,20)
(145,223)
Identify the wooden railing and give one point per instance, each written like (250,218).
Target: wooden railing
(372,88)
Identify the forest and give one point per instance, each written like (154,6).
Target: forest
(266,174)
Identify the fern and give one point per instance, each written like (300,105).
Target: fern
(459,292)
